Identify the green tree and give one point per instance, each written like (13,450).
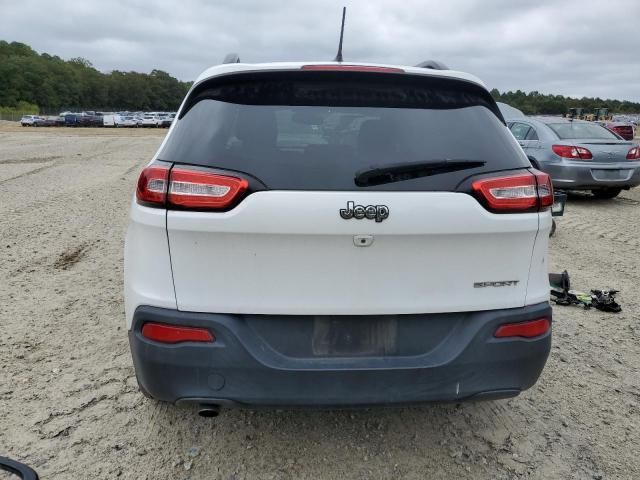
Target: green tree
(52,83)
(536,103)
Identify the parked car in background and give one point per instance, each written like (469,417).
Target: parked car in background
(160,118)
(76,120)
(625,129)
(93,119)
(579,155)
(83,119)
(149,120)
(126,121)
(109,120)
(49,121)
(167,120)
(42,122)
(28,120)
(634,120)
(71,119)
(90,118)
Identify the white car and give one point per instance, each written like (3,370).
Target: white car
(149,120)
(109,120)
(29,120)
(298,242)
(126,121)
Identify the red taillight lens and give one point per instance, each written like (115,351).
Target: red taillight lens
(202,190)
(352,68)
(634,154)
(152,185)
(530,329)
(188,189)
(545,189)
(569,151)
(515,193)
(163,333)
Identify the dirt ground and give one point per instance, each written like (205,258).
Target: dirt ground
(69,404)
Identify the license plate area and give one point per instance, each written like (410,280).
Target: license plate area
(610,174)
(335,336)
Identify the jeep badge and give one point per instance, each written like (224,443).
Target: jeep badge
(377,212)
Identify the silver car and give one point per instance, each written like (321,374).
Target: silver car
(579,155)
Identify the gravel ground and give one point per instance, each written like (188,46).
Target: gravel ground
(69,404)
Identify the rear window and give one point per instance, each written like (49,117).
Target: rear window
(577,130)
(315,130)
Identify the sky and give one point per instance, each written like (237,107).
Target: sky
(568,47)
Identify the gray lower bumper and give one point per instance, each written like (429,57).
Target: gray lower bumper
(445,357)
(586,176)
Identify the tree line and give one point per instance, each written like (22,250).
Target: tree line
(30,82)
(535,103)
(51,84)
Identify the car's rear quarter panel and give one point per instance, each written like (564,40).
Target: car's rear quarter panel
(147,268)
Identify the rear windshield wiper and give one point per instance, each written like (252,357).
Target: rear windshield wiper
(398,172)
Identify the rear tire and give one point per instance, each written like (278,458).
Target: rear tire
(553,228)
(606,193)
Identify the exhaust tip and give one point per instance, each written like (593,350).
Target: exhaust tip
(209,411)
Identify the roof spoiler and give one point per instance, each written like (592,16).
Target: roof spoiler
(433,65)
(231,58)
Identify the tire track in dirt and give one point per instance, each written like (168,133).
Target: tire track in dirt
(27,174)
(27,161)
(600,224)
(83,161)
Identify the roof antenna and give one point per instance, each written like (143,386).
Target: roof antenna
(339,55)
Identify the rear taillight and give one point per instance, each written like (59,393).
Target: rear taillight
(634,154)
(152,185)
(352,68)
(515,193)
(545,189)
(203,190)
(164,333)
(186,188)
(569,151)
(530,329)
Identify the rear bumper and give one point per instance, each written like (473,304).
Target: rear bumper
(244,366)
(586,175)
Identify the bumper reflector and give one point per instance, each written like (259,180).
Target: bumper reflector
(530,329)
(163,333)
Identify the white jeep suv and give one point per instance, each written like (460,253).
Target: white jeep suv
(331,234)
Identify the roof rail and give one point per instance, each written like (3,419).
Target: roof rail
(231,58)
(433,64)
